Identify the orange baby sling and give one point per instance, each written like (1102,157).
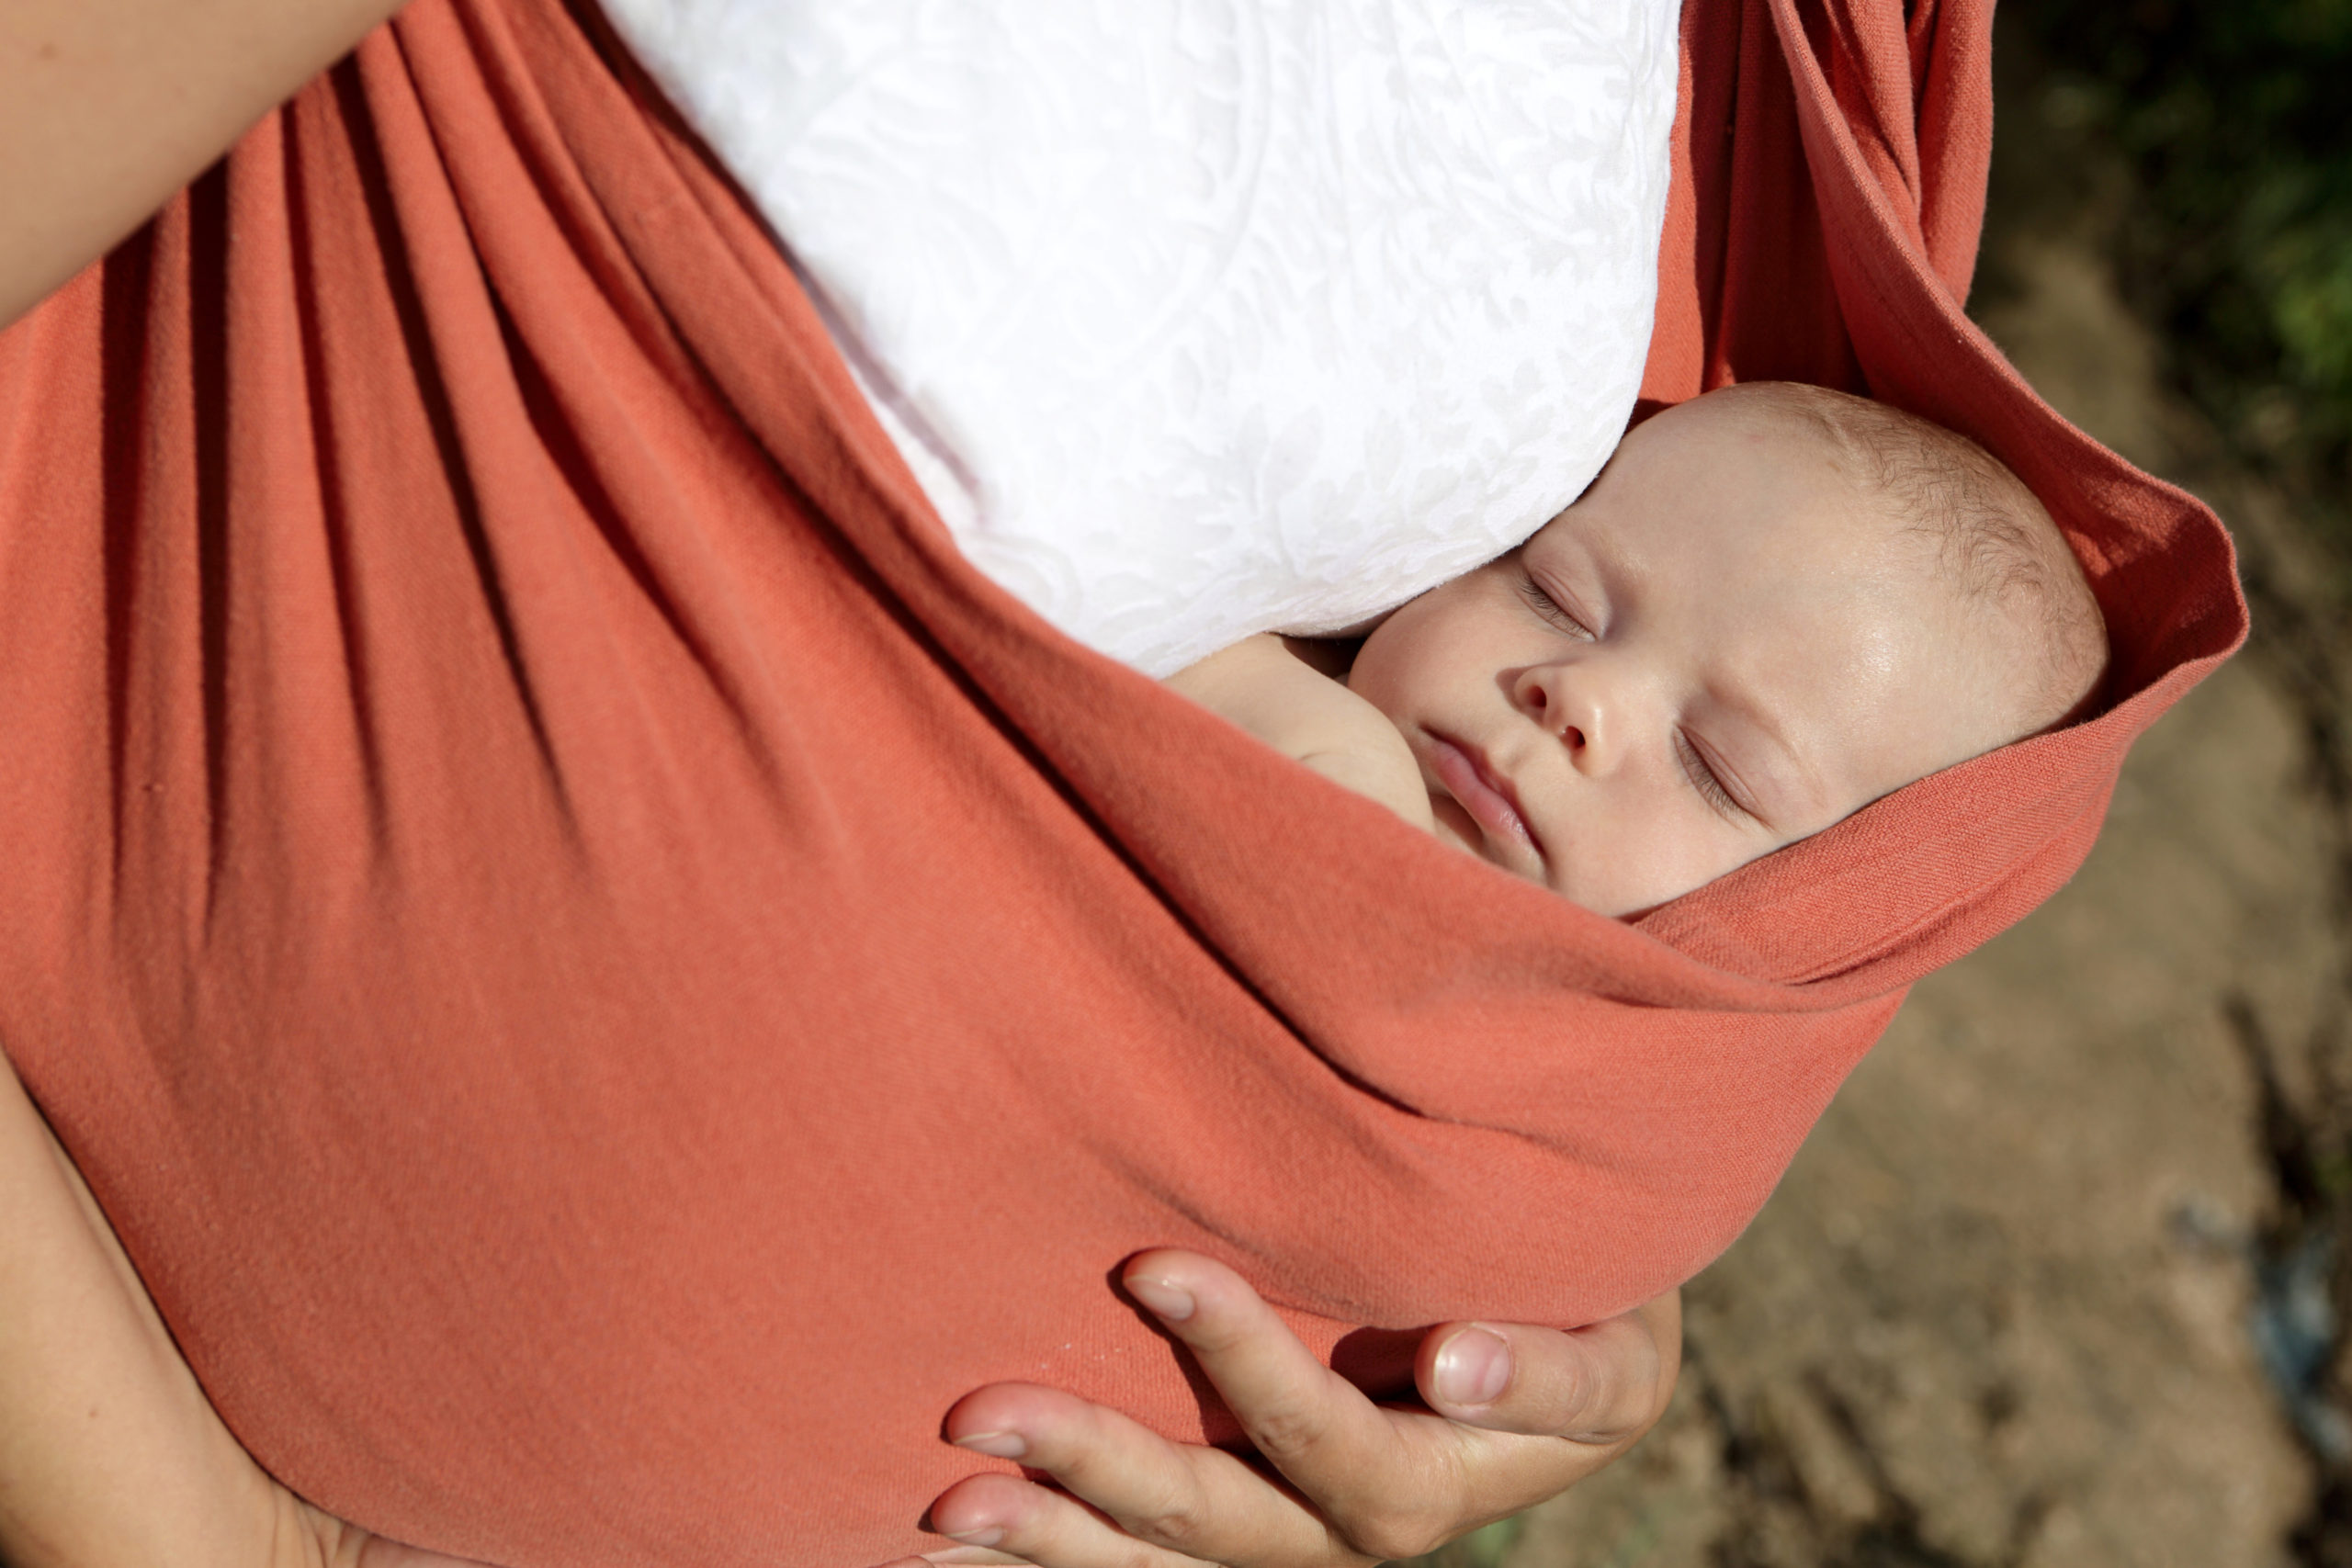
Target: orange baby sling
(606,976)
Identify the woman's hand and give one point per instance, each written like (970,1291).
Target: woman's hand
(1521,1414)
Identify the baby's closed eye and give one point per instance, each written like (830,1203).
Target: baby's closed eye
(1539,599)
(1708,782)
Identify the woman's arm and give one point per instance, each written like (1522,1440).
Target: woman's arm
(109,106)
(109,1453)
(1522,1414)
(110,1456)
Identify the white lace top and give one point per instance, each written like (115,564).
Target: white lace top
(1199,318)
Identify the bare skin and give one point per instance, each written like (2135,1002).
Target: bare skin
(111,1455)
(1515,1415)
(109,106)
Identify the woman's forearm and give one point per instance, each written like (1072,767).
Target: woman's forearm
(109,1455)
(109,106)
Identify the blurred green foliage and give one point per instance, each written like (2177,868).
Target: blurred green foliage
(1484,1548)
(2237,116)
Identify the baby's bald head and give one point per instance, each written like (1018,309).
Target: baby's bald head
(2018,595)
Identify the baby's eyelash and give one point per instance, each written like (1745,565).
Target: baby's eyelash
(1702,779)
(1551,609)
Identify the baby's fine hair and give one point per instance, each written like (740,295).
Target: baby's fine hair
(1994,541)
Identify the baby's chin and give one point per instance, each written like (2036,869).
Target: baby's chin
(1455,826)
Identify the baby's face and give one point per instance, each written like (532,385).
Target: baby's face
(1720,649)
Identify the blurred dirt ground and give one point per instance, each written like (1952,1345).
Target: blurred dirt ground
(2055,1281)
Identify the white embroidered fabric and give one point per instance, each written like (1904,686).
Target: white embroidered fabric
(1201,318)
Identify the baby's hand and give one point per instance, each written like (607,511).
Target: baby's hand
(1371,759)
(1266,689)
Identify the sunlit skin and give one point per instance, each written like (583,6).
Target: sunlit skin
(1723,648)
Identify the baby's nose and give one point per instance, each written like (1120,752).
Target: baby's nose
(1544,691)
(1566,701)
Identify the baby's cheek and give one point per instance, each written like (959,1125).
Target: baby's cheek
(1658,862)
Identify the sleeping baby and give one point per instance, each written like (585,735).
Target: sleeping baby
(1775,605)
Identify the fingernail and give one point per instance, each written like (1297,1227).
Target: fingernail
(1474,1368)
(1167,1300)
(983,1535)
(997,1445)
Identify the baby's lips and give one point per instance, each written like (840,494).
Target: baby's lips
(1493,810)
